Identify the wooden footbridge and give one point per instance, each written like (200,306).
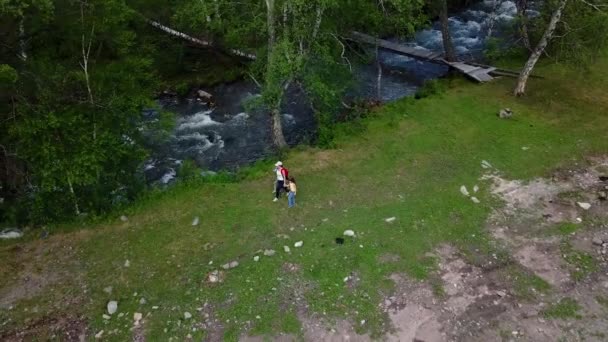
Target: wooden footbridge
(474,71)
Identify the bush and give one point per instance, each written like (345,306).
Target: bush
(430,88)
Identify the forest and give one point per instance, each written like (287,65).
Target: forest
(76,76)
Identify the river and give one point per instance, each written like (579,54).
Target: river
(229,136)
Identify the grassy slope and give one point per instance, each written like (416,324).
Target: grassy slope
(408,161)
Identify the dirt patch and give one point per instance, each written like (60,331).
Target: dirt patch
(40,264)
(546,264)
(65,328)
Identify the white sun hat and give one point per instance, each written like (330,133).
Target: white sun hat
(279,164)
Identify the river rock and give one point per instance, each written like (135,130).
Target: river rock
(505,113)
(584,205)
(597,241)
(112,307)
(298,244)
(203,94)
(11,233)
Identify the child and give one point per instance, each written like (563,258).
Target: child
(291,196)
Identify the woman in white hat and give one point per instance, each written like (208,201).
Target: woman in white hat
(282,177)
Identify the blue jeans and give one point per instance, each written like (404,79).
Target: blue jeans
(291,199)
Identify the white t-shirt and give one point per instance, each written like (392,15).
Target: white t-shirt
(279,174)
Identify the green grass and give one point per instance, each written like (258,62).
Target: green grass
(407,160)
(567,228)
(526,285)
(564,309)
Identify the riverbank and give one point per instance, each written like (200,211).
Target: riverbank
(423,253)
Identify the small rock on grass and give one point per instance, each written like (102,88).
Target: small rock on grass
(108,289)
(256,258)
(127,263)
(298,244)
(137,317)
(475,200)
(269,252)
(195,221)
(123,218)
(390,219)
(112,307)
(286,249)
(475,188)
(349,232)
(142,301)
(464,191)
(584,205)
(105,316)
(187,315)
(99,334)
(485,164)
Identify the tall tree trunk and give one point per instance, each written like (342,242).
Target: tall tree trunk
(76,207)
(522,6)
(22,43)
(379,78)
(448,47)
(270,28)
(520,89)
(277,128)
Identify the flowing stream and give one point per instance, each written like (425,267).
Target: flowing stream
(229,136)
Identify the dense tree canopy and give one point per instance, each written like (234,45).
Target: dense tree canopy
(75,76)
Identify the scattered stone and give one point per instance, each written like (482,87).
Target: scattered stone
(230,265)
(485,164)
(525,148)
(602,195)
(286,249)
(106,317)
(298,244)
(597,241)
(121,314)
(584,205)
(195,221)
(475,188)
(123,218)
(99,335)
(501,293)
(505,113)
(464,191)
(390,219)
(112,307)
(269,252)
(579,220)
(204,95)
(155,307)
(187,315)
(127,263)
(256,258)
(349,232)
(137,317)
(108,290)
(475,200)
(11,233)
(215,276)
(142,301)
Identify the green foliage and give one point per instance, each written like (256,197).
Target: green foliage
(188,170)
(564,309)
(8,75)
(430,88)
